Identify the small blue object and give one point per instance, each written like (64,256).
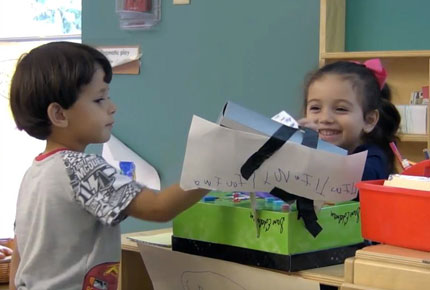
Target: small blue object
(209,198)
(127,168)
(277,204)
(269,202)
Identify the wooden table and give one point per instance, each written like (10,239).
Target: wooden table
(133,274)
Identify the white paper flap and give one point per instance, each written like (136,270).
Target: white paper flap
(215,154)
(115,151)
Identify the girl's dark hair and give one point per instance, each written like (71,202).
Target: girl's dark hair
(53,72)
(372,97)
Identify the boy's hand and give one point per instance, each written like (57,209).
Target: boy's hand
(164,205)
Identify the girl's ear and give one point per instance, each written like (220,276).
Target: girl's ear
(56,115)
(370,121)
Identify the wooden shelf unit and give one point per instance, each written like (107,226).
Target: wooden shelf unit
(408,71)
(387,267)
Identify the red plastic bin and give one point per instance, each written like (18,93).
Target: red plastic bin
(420,169)
(396,216)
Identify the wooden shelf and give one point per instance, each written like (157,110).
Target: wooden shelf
(413,137)
(408,70)
(376,54)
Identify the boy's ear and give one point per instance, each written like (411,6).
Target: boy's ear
(56,115)
(370,121)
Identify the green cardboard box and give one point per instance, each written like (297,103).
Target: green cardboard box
(231,224)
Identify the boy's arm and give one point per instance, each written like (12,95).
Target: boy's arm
(164,205)
(14,266)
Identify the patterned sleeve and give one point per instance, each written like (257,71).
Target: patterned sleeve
(98,187)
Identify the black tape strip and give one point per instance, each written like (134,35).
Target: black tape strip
(310,138)
(271,146)
(305,206)
(306,211)
(282,194)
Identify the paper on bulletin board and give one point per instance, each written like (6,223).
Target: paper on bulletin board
(215,154)
(114,151)
(123,59)
(175,270)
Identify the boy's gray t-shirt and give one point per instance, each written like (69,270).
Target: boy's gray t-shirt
(68,210)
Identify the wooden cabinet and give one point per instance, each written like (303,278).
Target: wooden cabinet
(408,71)
(387,267)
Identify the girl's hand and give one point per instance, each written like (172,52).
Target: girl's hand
(308,123)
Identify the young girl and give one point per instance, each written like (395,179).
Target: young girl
(349,104)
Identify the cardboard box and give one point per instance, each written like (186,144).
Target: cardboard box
(226,230)
(234,116)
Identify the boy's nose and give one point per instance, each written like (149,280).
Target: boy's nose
(112,109)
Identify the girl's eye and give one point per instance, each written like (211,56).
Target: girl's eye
(341,109)
(99,100)
(313,108)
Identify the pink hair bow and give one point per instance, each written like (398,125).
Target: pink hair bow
(378,70)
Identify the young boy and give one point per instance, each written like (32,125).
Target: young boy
(70,203)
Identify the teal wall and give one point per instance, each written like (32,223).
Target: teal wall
(255,53)
(387,25)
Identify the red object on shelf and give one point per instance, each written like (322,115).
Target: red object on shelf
(425,91)
(420,169)
(396,216)
(138,5)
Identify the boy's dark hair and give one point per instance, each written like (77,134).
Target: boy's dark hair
(53,72)
(367,87)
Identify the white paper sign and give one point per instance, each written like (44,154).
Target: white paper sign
(285,119)
(115,151)
(120,55)
(215,154)
(175,270)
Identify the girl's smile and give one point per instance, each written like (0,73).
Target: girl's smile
(329,135)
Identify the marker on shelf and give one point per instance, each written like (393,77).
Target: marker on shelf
(403,161)
(426,153)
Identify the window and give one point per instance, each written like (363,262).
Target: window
(39,21)
(50,19)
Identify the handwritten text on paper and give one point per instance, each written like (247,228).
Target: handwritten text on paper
(215,154)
